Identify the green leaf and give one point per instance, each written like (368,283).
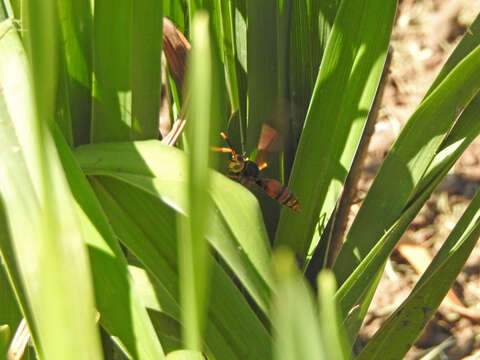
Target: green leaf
(262,69)
(40,26)
(13,8)
(247,256)
(4,339)
(63,115)
(112,74)
(35,196)
(464,131)
(238,124)
(146,226)
(263,98)
(295,318)
(406,323)
(193,248)
(332,331)
(311,23)
(193,7)
(306,36)
(123,315)
(3,11)
(146,55)
(76,31)
(469,42)
(407,162)
(159,170)
(174,10)
(348,77)
(185,355)
(357,285)
(10,314)
(229,56)
(466,128)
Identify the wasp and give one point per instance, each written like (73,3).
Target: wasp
(247,172)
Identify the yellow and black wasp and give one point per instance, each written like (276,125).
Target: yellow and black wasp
(247,172)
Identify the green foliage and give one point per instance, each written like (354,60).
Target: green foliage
(174,257)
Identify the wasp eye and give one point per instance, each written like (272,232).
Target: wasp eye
(235,166)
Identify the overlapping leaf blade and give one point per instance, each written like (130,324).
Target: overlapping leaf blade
(10,314)
(159,171)
(464,130)
(123,316)
(406,323)
(350,69)
(262,68)
(294,314)
(146,54)
(146,226)
(75,94)
(112,96)
(311,23)
(333,333)
(408,160)
(35,193)
(193,247)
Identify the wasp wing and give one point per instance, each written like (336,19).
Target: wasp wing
(269,142)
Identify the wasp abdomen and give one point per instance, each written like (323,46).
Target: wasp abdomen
(280,192)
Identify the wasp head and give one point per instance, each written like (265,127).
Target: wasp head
(236,165)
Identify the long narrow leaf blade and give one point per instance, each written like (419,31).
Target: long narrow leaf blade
(357,284)
(10,314)
(408,160)
(112,96)
(464,131)
(333,333)
(262,68)
(4,338)
(76,26)
(294,315)
(406,323)
(185,355)
(311,23)
(348,77)
(36,195)
(122,316)
(466,128)
(159,170)
(193,247)
(146,226)
(469,42)
(146,56)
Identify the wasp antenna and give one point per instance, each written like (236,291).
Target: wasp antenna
(225,137)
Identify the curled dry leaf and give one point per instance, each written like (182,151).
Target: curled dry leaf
(175,48)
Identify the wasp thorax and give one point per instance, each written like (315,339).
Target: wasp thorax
(251,169)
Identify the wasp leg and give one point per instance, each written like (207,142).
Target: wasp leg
(262,166)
